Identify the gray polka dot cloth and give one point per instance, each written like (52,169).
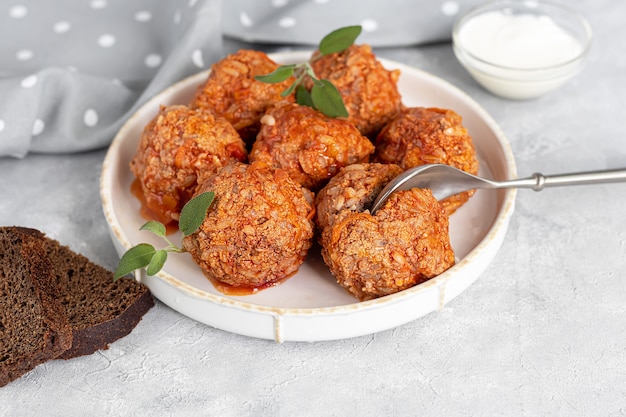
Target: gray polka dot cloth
(385,22)
(72,71)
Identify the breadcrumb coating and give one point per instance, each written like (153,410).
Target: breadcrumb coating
(258,229)
(369,91)
(178,146)
(421,136)
(231,91)
(309,145)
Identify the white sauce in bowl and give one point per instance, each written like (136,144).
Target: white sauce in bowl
(521,41)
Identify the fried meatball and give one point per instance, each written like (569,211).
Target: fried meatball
(178,145)
(369,91)
(257,231)
(231,91)
(355,188)
(309,145)
(421,136)
(405,243)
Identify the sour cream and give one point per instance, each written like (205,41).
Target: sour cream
(520,54)
(521,41)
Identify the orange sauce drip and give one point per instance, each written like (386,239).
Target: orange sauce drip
(228,289)
(146,212)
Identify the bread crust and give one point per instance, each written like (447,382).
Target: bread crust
(56,336)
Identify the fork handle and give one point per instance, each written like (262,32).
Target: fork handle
(538,181)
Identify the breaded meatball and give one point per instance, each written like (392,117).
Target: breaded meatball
(421,136)
(176,147)
(355,188)
(369,91)
(309,145)
(257,231)
(231,91)
(405,243)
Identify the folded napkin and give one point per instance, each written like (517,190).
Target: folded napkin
(71,71)
(385,23)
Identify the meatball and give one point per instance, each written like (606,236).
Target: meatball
(369,91)
(257,231)
(355,188)
(176,147)
(231,91)
(421,136)
(405,243)
(309,145)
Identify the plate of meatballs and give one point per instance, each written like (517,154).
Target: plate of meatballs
(288,250)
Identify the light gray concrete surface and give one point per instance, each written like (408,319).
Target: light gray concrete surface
(541,333)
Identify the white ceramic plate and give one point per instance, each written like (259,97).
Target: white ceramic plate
(310,306)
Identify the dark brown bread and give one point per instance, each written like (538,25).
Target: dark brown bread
(99,310)
(33,325)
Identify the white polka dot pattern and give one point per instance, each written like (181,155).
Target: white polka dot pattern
(153,60)
(18,11)
(450,8)
(29,81)
(197,58)
(143,16)
(384,23)
(90,118)
(107,40)
(287,22)
(108,47)
(61,27)
(24,55)
(38,127)
(369,25)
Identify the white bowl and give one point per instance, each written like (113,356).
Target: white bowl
(310,306)
(521,49)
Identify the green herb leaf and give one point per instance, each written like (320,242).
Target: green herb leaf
(303,96)
(280,74)
(135,258)
(308,70)
(193,213)
(327,99)
(155,227)
(338,40)
(289,89)
(157,262)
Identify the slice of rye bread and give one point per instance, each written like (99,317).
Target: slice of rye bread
(99,310)
(33,325)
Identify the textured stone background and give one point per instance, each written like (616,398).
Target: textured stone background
(541,333)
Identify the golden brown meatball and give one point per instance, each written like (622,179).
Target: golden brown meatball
(369,91)
(176,147)
(257,231)
(309,145)
(354,188)
(231,91)
(421,136)
(405,243)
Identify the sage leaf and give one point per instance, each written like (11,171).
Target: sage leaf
(327,99)
(155,227)
(303,96)
(193,213)
(157,262)
(135,258)
(289,89)
(280,74)
(339,40)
